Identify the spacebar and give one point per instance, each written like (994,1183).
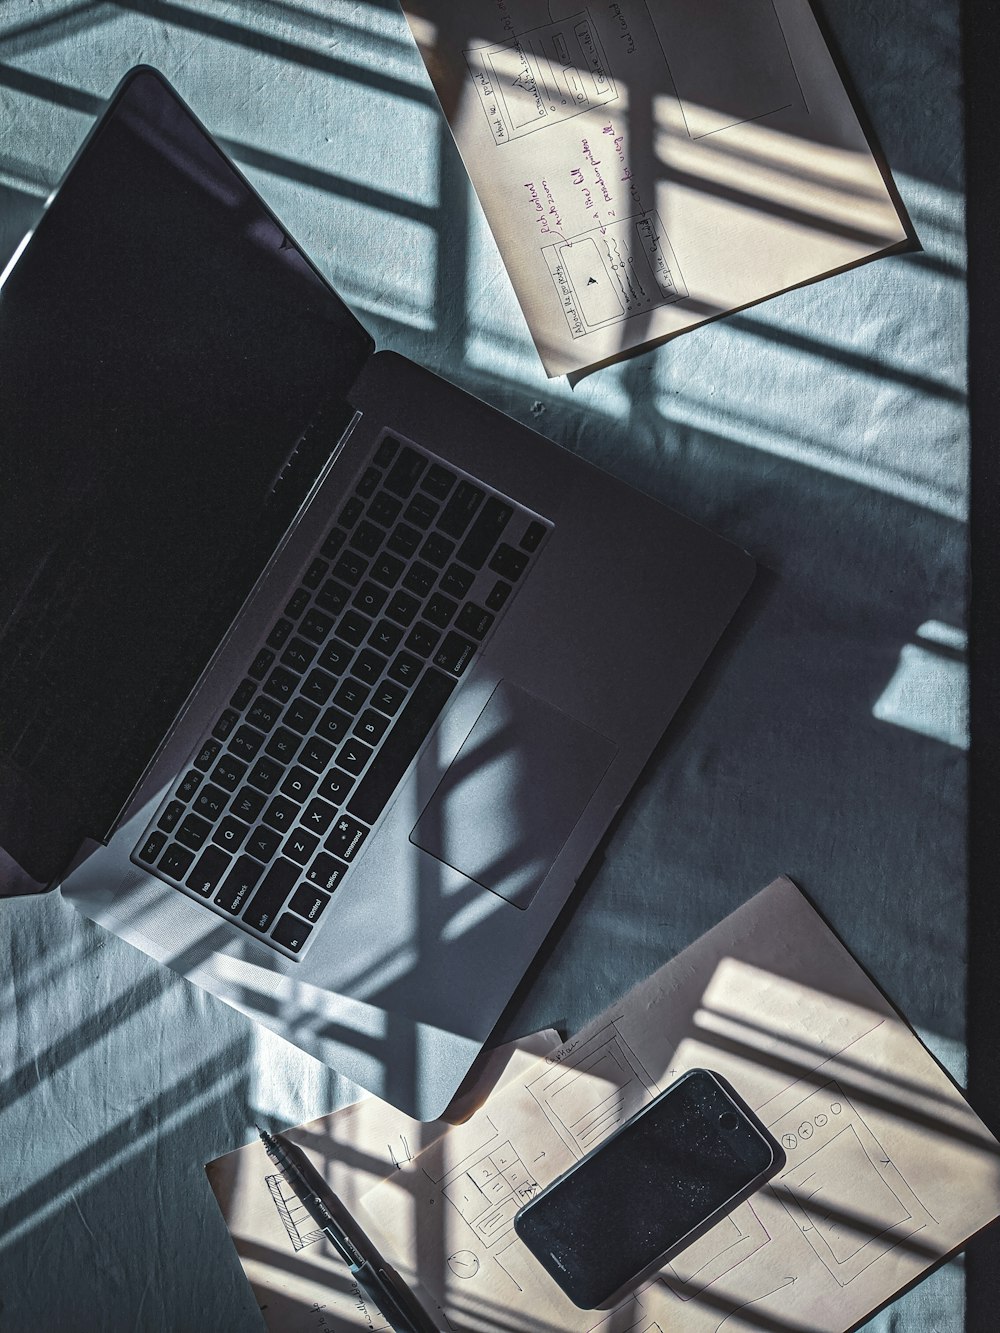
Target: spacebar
(401,744)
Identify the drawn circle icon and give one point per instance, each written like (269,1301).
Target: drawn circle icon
(463,1263)
(821,1120)
(789,1141)
(836,1108)
(805,1130)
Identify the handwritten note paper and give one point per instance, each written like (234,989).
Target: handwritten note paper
(647,165)
(888,1169)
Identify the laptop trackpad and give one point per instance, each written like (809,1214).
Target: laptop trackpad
(513,793)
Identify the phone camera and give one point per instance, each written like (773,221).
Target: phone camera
(729,1121)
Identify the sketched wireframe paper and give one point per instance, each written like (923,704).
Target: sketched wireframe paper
(300,1283)
(888,1169)
(650,164)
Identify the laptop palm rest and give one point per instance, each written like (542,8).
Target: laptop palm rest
(513,794)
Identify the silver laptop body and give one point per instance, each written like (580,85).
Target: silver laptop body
(484,637)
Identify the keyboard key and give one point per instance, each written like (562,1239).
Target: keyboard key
(225,724)
(369,666)
(247,805)
(351,512)
(388,697)
(333,725)
(387,569)
(318,816)
(283,745)
(279,634)
(205,757)
(437,549)
(353,756)
(385,637)
(326,871)
(269,899)
(297,603)
(316,626)
(316,754)
(423,638)
(403,608)
(335,657)
(498,595)
(370,598)
(420,578)
(474,620)
(239,884)
(246,743)
(371,726)
(261,664)
(193,832)
(212,865)
(315,574)
(263,843)
(291,932)
(298,654)
(264,713)
(404,540)
(421,511)
(335,786)
(333,543)
(230,833)
(346,838)
(281,813)
(386,452)
(353,627)
(211,801)
(508,562)
(242,696)
(405,668)
(384,509)
(350,568)
(176,861)
(189,785)
(281,684)
(152,847)
(300,714)
(368,484)
(228,772)
(333,596)
(308,902)
(317,688)
(440,609)
(485,532)
(299,846)
(398,749)
(456,581)
(438,481)
(351,695)
(368,538)
(170,818)
(265,774)
(460,509)
(532,536)
(405,472)
(298,783)
(454,654)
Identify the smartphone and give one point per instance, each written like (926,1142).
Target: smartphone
(651,1188)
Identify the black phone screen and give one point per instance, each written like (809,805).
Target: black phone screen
(689,1153)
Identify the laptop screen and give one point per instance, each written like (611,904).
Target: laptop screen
(163,347)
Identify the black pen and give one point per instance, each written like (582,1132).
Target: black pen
(381,1284)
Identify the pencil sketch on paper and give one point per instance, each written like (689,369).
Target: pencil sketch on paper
(295,1217)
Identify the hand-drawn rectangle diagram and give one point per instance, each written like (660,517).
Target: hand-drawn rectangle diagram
(490,1191)
(295,1217)
(729,1243)
(612,272)
(541,77)
(593,1092)
(841,1189)
(729,63)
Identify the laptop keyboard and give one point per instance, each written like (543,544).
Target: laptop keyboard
(277,802)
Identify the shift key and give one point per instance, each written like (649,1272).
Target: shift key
(270,898)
